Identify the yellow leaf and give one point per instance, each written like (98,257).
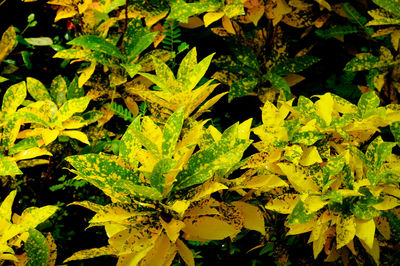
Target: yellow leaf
(227,24)
(161,254)
(314,203)
(374,252)
(365,230)
(152,131)
(185,253)
(212,17)
(180,206)
(49,135)
(283,204)
(209,228)
(75,134)
(255,10)
(387,203)
(345,230)
(297,229)
(299,180)
(310,156)
(383,226)
(324,107)
(244,129)
(65,12)
(86,74)
(253,217)
(193,22)
(207,189)
(325,4)
(216,135)
(395,37)
(276,9)
(264,182)
(173,228)
(8,42)
(31,153)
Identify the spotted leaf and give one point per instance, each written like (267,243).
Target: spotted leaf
(294,65)
(345,230)
(242,87)
(92,253)
(395,129)
(37,90)
(157,180)
(127,188)
(389,5)
(279,83)
(8,167)
(59,90)
(13,98)
(300,214)
(102,171)
(181,11)
(98,44)
(363,211)
(36,248)
(6,206)
(8,42)
(171,132)
(70,107)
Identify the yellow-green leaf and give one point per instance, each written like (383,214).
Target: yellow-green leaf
(92,253)
(37,90)
(8,42)
(310,156)
(86,73)
(6,206)
(13,98)
(345,230)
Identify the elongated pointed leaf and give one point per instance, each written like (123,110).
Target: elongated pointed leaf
(8,168)
(294,65)
(8,42)
(59,90)
(70,107)
(98,44)
(279,83)
(6,206)
(157,180)
(171,132)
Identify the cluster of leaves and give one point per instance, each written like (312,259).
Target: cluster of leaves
(170,177)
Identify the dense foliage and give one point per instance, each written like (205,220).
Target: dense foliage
(283,137)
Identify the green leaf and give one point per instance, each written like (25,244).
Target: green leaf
(36,248)
(333,196)
(300,214)
(336,31)
(181,11)
(70,107)
(132,69)
(157,180)
(74,91)
(395,129)
(294,65)
(220,155)
(364,211)
(333,167)
(98,44)
(10,132)
(245,56)
(307,137)
(279,83)
(242,87)
(129,145)
(130,189)
(234,8)
(141,44)
(367,61)
(39,41)
(103,172)
(13,98)
(37,90)
(59,90)
(367,102)
(24,144)
(8,168)
(172,131)
(392,6)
